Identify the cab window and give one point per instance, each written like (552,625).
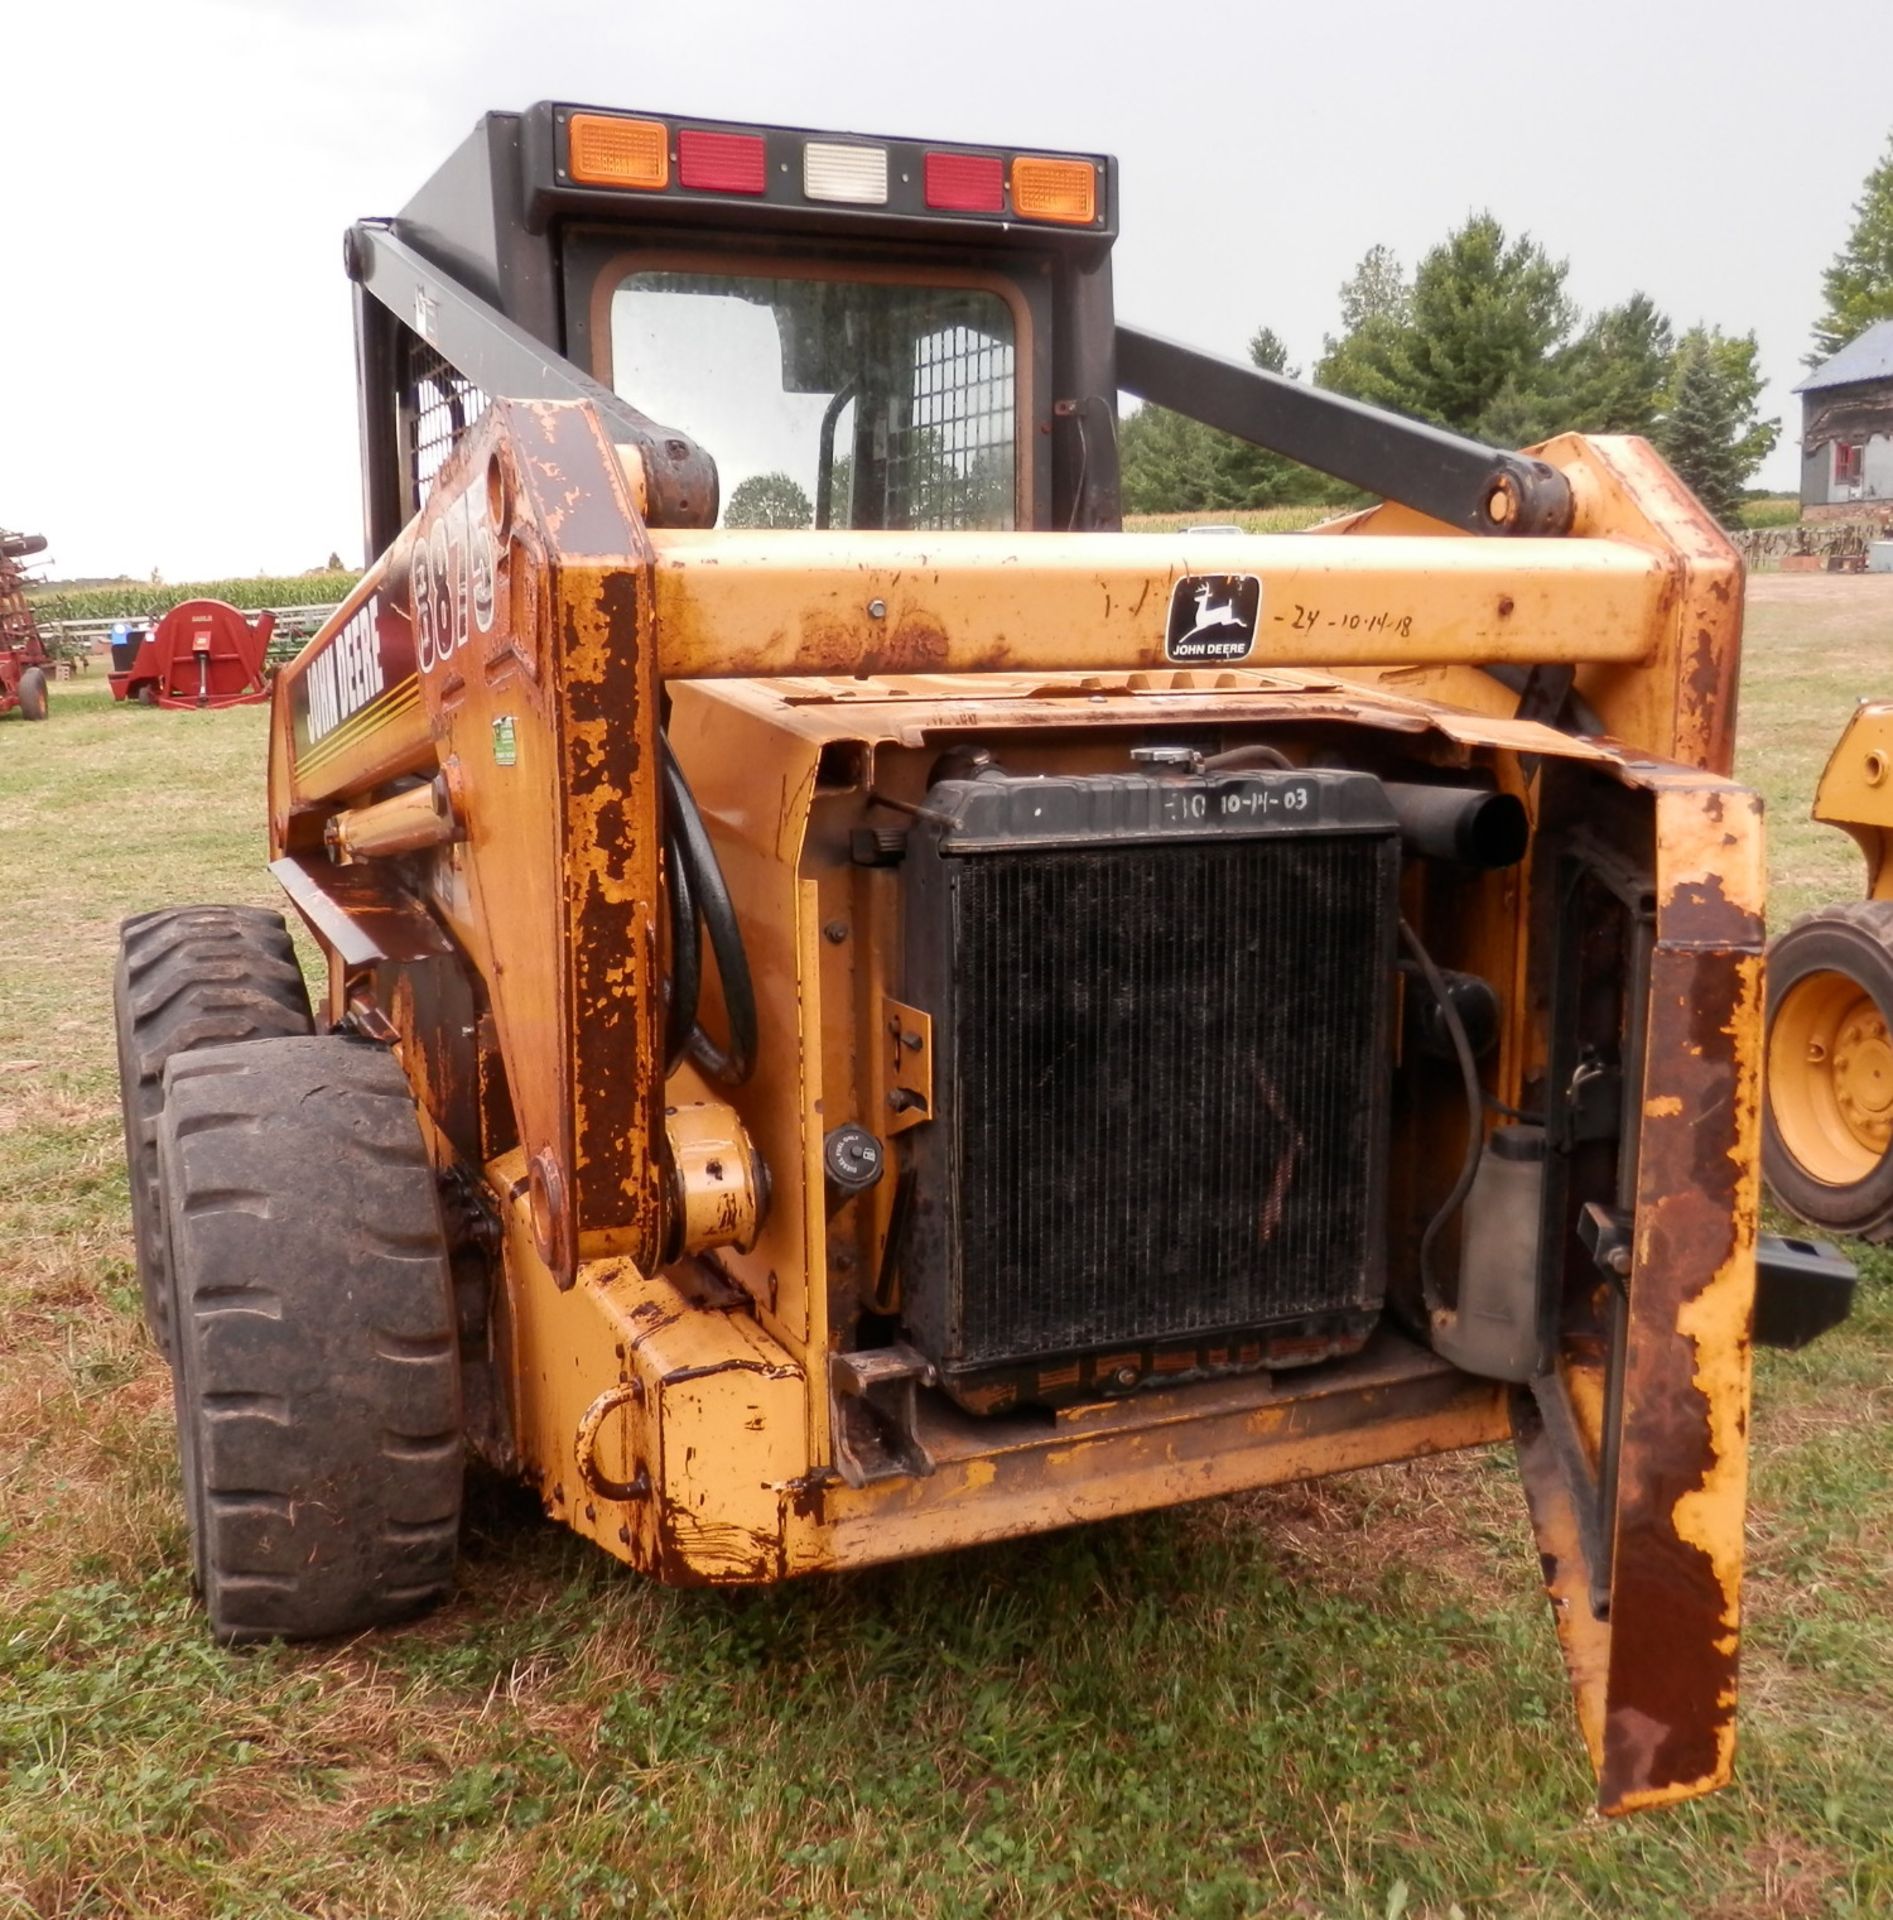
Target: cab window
(830,402)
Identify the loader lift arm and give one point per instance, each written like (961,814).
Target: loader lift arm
(1440,474)
(500,358)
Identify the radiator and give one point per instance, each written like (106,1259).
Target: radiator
(1161,1012)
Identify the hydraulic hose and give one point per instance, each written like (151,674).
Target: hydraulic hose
(1246,759)
(682,989)
(713,910)
(1475,1114)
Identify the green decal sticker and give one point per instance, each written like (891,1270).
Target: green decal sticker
(505,742)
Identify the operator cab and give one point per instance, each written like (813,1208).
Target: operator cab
(850,332)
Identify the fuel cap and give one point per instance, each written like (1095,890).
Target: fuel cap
(852,1158)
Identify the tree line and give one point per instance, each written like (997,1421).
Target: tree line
(1483,338)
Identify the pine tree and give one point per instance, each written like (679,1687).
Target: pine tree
(1700,434)
(1171,464)
(1376,290)
(1736,358)
(1166,462)
(1858,287)
(1370,361)
(1485,314)
(1615,377)
(1251,476)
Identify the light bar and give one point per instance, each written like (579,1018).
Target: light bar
(721,162)
(1061,190)
(855,175)
(607,151)
(965,183)
(780,168)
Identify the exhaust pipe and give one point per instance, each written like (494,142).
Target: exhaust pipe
(1464,824)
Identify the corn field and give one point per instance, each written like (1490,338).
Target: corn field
(133,600)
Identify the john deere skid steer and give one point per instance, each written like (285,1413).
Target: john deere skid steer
(867,1010)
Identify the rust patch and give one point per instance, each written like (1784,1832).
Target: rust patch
(610,891)
(1706,679)
(918,644)
(716,1554)
(1699,913)
(1675,1596)
(808,1495)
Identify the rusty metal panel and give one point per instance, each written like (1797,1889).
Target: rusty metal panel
(1677,1567)
(1656,1685)
(1680,703)
(652,1414)
(360,914)
(767,603)
(996,1479)
(532,637)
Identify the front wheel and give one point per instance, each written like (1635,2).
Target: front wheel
(316,1372)
(1827,1133)
(33,695)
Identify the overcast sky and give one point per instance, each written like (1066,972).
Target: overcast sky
(176,360)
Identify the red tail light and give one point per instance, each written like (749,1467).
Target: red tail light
(721,162)
(966,183)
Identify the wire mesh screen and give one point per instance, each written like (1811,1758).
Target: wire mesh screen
(438,404)
(1127,1174)
(953,466)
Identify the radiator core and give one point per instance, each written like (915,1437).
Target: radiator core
(1161,1068)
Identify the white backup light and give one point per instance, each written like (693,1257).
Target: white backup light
(857,175)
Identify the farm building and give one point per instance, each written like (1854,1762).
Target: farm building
(1847,424)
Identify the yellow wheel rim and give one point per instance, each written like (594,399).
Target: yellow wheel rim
(1830,1078)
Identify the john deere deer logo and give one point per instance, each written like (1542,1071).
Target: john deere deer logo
(1213,617)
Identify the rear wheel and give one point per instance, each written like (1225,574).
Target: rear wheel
(33,698)
(189,977)
(1827,1138)
(316,1380)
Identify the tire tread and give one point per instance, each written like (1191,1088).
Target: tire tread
(313,1512)
(190,978)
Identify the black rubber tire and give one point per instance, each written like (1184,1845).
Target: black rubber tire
(147,694)
(1855,940)
(189,977)
(317,1380)
(32,691)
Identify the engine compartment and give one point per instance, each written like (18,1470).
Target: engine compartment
(1119,1073)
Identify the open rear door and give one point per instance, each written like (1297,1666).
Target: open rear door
(1634,1448)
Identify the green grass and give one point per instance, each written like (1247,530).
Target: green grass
(1338,1699)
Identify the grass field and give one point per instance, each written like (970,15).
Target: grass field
(1340,1699)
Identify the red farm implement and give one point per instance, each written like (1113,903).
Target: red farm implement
(201,654)
(24,661)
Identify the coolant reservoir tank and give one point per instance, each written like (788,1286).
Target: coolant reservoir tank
(1494,1331)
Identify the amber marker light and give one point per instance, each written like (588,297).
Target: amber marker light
(1061,190)
(605,150)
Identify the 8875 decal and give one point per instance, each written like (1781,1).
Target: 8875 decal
(455,579)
